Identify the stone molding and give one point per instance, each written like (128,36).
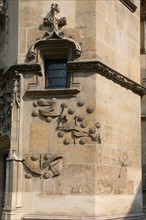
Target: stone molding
(20,68)
(129,4)
(33,93)
(102,69)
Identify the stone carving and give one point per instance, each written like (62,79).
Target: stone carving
(48,112)
(68,121)
(9,97)
(82,187)
(31,55)
(16,92)
(54,25)
(44,165)
(116,167)
(13,156)
(102,69)
(54,22)
(61,40)
(114,187)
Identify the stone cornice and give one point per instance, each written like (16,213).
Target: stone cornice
(102,69)
(21,68)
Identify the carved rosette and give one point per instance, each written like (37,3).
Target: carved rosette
(31,54)
(44,165)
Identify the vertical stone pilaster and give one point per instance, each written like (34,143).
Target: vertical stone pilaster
(12,206)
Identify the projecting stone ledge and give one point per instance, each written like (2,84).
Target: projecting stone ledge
(102,69)
(33,93)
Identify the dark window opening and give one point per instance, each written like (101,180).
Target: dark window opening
(56,74)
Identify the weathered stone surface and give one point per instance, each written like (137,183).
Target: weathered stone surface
(79,147)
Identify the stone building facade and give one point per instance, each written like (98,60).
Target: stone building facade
(70,116)
(143,109)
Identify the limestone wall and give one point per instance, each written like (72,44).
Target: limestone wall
(98,169)
(117,37)
(10,39)
(81,146)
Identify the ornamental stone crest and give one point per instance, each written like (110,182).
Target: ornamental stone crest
(53,25)
(53,21)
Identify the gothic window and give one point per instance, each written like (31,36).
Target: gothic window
(56,74)
(55,52)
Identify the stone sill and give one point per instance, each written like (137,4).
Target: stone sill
(36,93)
(130,5)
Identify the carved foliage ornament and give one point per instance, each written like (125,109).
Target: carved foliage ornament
(68,120)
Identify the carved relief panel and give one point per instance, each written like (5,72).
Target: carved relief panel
(42,165)
(73,124)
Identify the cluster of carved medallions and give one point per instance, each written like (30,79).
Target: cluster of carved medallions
(43,165)
(68,120)
(9,97)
